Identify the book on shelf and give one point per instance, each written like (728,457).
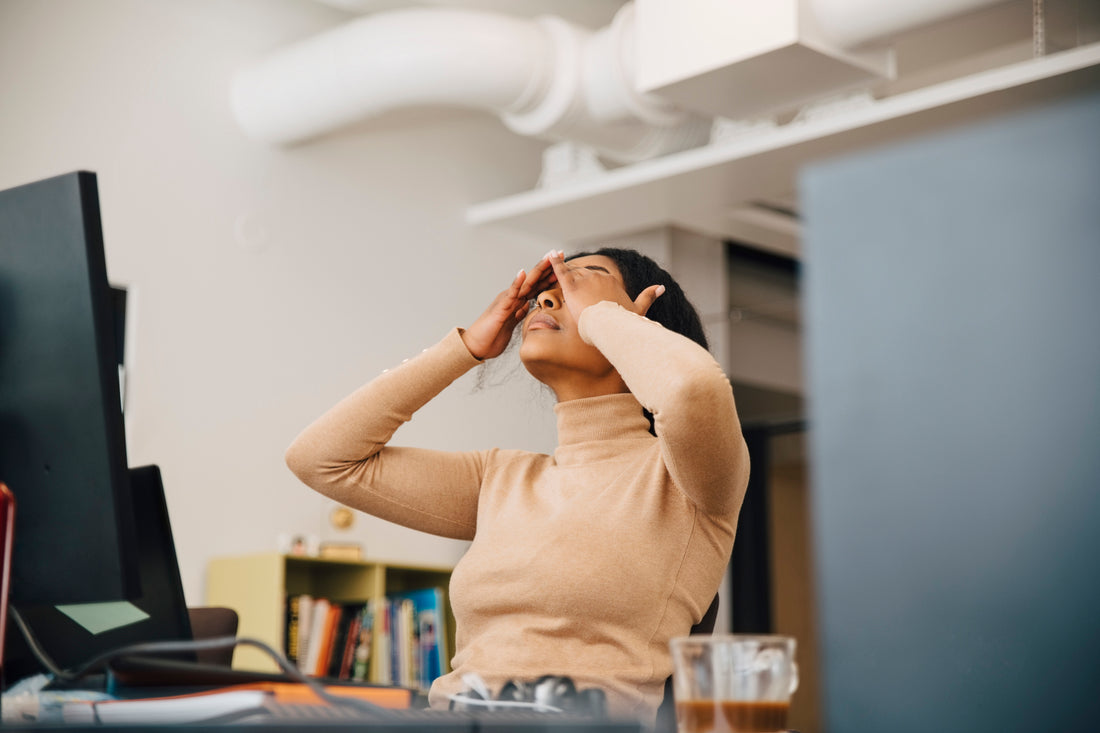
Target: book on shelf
(381,661)
(364,644)
(418,637)
(324,638)
(303,623)
(400,639)
(293,619)
(314,642)
(329,626)
(342,635)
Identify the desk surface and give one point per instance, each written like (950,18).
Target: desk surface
(443,724)
(255,710)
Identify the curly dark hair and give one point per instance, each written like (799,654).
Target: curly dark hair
(672,310)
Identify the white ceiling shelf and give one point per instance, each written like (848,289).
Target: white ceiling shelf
(698,189)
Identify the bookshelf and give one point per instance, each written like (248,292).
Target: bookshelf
(257,586)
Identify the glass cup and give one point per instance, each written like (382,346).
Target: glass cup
(733,683)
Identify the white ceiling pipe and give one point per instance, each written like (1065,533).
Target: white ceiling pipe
(545,77)
(390,60)
(610,90)
(852,23)
(611,95)
(592,99)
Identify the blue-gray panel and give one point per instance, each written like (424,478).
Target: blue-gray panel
(952,309)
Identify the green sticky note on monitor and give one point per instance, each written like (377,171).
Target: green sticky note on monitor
(99,617)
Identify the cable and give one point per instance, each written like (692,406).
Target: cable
(152,648)
(32,642)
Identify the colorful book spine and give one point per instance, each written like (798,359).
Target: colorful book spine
(397,640)
(305,625)
(316,640)
(419,641)
(343,643)
(290,640)
(328,635)
(364,645)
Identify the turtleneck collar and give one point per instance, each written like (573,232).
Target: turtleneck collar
(592,428)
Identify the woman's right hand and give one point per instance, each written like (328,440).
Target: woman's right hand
(488,336)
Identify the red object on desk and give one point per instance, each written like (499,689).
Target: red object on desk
(7,530)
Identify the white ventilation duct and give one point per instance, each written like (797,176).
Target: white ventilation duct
(544,77)
(852,23)
(555,80)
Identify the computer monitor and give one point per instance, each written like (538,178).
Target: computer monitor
(62,444)
(158,613)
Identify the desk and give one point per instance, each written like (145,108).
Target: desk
(242,709)
(457,724)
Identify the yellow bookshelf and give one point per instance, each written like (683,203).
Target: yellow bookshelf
(257,587)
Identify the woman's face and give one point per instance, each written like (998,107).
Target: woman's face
(553,351)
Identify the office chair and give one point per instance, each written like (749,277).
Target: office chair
(210,622)
(666,713)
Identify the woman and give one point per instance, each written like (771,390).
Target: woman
(585,562)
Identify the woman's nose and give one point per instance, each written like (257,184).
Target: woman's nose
(549,299)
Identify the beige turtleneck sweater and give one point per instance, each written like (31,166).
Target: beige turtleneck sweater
(582,563)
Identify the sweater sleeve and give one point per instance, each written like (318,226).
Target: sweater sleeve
(344,453)
(695,417)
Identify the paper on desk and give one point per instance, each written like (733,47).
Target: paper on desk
(182,709)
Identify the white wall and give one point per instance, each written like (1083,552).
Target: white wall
(266,283)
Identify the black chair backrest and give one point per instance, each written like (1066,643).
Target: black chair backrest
(211,622)
(706,624)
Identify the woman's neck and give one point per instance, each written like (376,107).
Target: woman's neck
(580,392)
(569,384)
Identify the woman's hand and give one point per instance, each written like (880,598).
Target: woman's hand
(488,336)
(585,286)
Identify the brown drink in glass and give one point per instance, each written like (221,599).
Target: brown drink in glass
(733,684)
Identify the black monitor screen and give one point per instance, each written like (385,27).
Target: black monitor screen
(62,443)
(159,613)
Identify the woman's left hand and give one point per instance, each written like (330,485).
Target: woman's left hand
(582,287)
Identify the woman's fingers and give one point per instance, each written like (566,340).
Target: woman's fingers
(646,298)
(487,336)
(528,284)
(582,287)
(517,284)
(560,271)
(540,277)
